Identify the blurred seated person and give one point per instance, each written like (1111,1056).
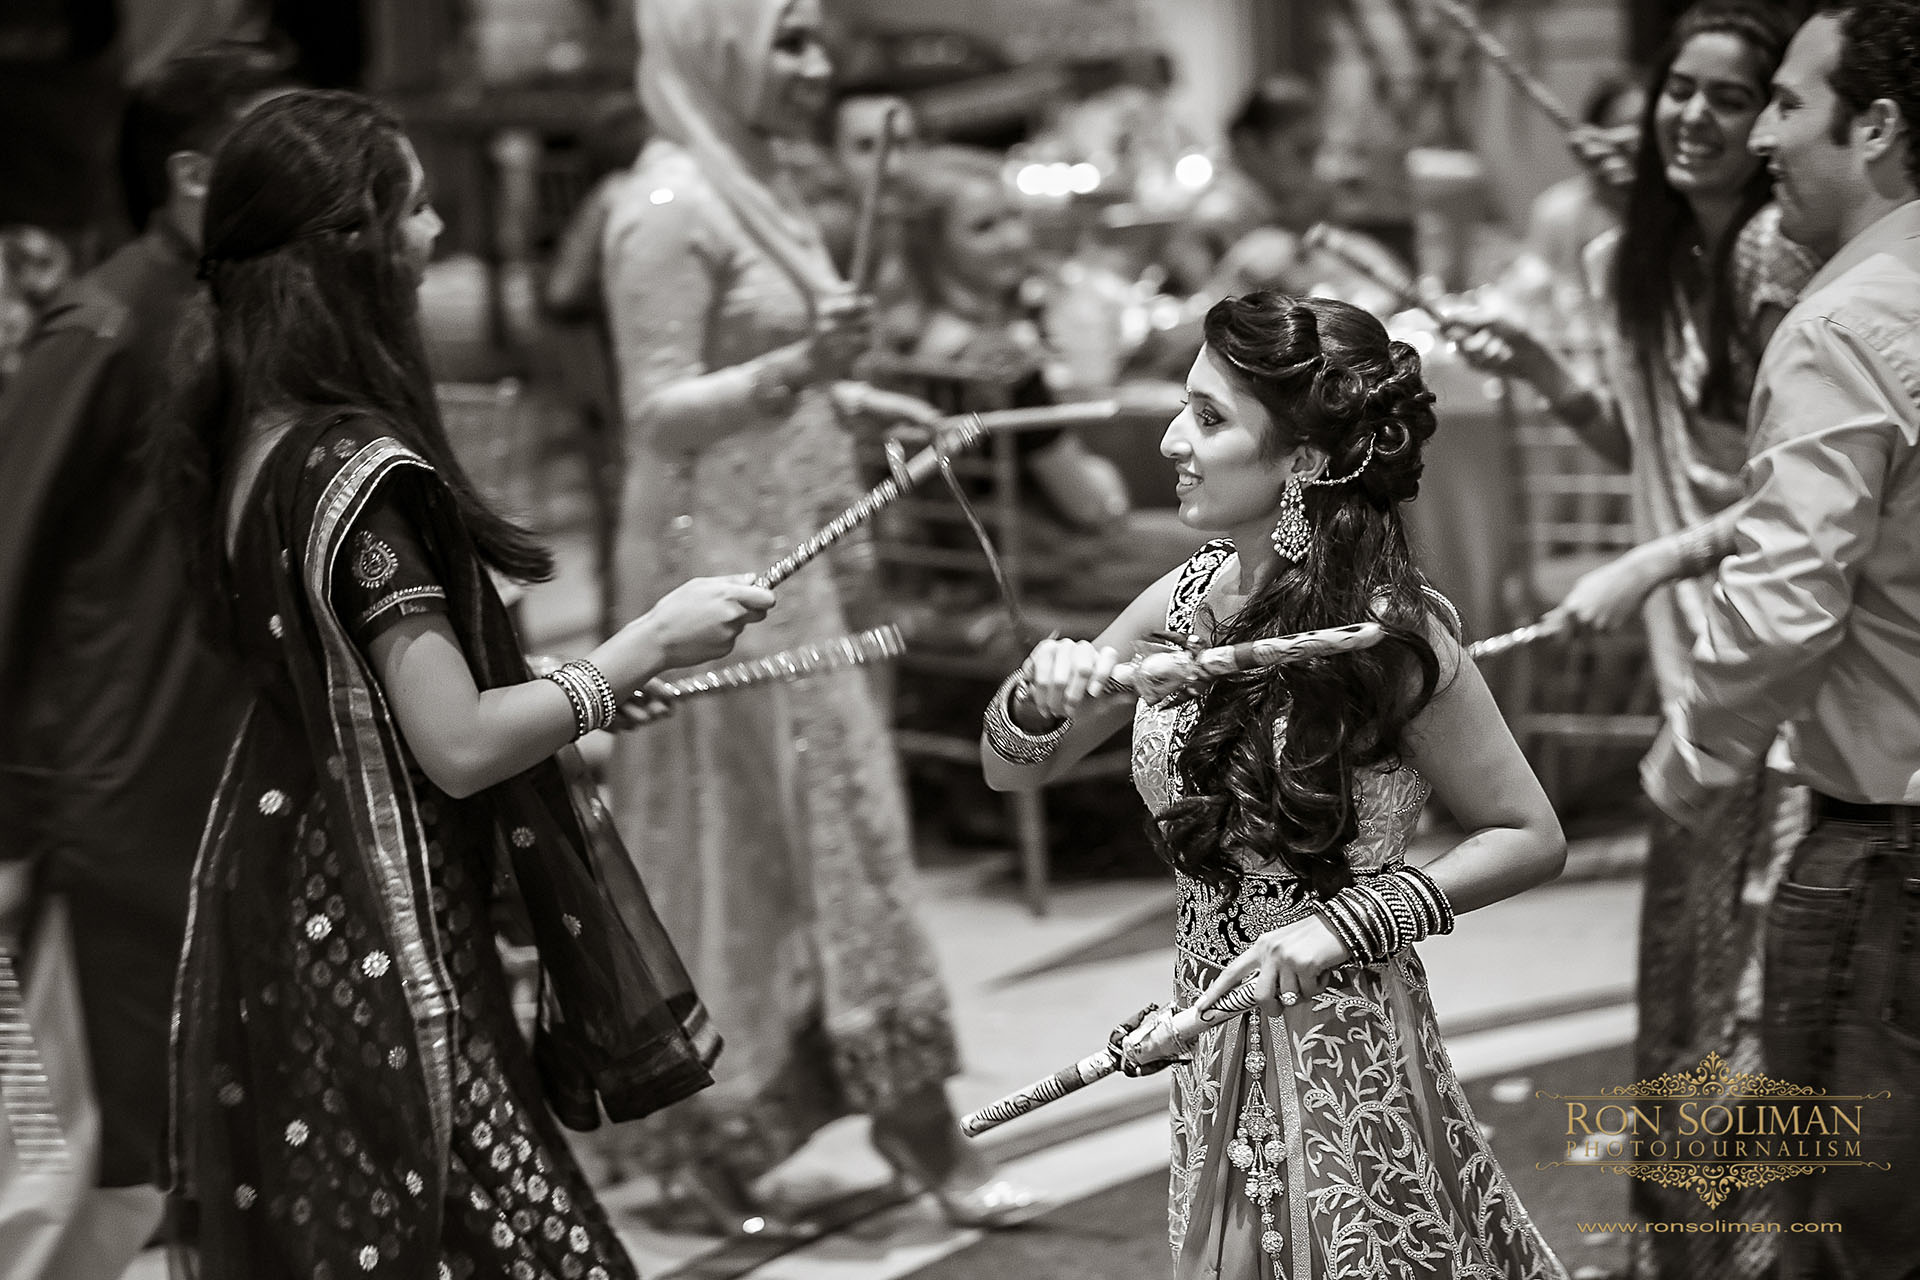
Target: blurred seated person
(1245,233)
(969,249)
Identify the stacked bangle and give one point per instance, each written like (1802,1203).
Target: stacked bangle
(1379,916)
(1009,741)
(594,705)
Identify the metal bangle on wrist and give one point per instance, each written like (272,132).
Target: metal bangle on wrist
(1378,916)
(589,692)
(1004,735)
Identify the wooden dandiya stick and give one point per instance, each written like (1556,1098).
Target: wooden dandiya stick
(1160,674)
(1406,291)
(1493,646)
(1164,1039)
(1502,57)
(951,435)
(876,644)
(865,260)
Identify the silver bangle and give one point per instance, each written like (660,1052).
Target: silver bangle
(1005,736)
(594,705)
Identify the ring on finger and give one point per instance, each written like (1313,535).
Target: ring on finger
(1289,998)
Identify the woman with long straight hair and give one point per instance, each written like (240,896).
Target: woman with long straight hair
(352,1094)
(1682,299)
(1326,1133)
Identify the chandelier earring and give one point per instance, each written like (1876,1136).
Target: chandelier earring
(1291,536)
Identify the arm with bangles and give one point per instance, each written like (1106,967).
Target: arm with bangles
(466,739)
(1461,744)
(1056,692)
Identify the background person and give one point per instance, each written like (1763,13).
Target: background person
(1814,622)
(118,714)
(773,828)
(1680,301)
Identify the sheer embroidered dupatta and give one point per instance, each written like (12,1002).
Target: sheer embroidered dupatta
(319,771)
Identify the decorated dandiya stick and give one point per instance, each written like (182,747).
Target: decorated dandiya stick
(1160,674)
(1165,1038)
(1502,57)
(1493,646)
(950,436)
(876,644)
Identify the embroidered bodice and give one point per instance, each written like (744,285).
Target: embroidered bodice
(1389,799)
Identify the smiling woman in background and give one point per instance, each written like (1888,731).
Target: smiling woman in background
(1684,297)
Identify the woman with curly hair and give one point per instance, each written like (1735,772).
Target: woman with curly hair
(1325,1133)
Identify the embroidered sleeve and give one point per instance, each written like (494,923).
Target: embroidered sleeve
(384,572)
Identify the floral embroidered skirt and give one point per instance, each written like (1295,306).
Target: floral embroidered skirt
(1335,1142)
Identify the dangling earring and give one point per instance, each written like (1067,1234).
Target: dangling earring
(1291,536)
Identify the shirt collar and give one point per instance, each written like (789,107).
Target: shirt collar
(1902,223)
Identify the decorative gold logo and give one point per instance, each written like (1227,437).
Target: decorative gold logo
(1714,1129)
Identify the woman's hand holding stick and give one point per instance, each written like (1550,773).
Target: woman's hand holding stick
(1154,1041)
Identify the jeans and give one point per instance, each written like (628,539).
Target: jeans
(1842,1013)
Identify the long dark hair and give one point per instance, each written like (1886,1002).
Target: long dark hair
(1329,377)
(311,310)
(1660,228)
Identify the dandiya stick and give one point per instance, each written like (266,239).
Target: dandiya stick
(1160,674)
(1171,1034)
(1502,57)
(865,260)
(1533,632)
(1408,293)
(951,435)
(876,644)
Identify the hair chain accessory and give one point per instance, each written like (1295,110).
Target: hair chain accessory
(1354,474)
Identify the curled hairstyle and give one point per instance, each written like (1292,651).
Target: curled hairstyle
(1879,58)
(311,310)
(1328,377)
(1660,227)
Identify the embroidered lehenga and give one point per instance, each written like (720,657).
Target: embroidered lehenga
(1335,1141)
(353,1095)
